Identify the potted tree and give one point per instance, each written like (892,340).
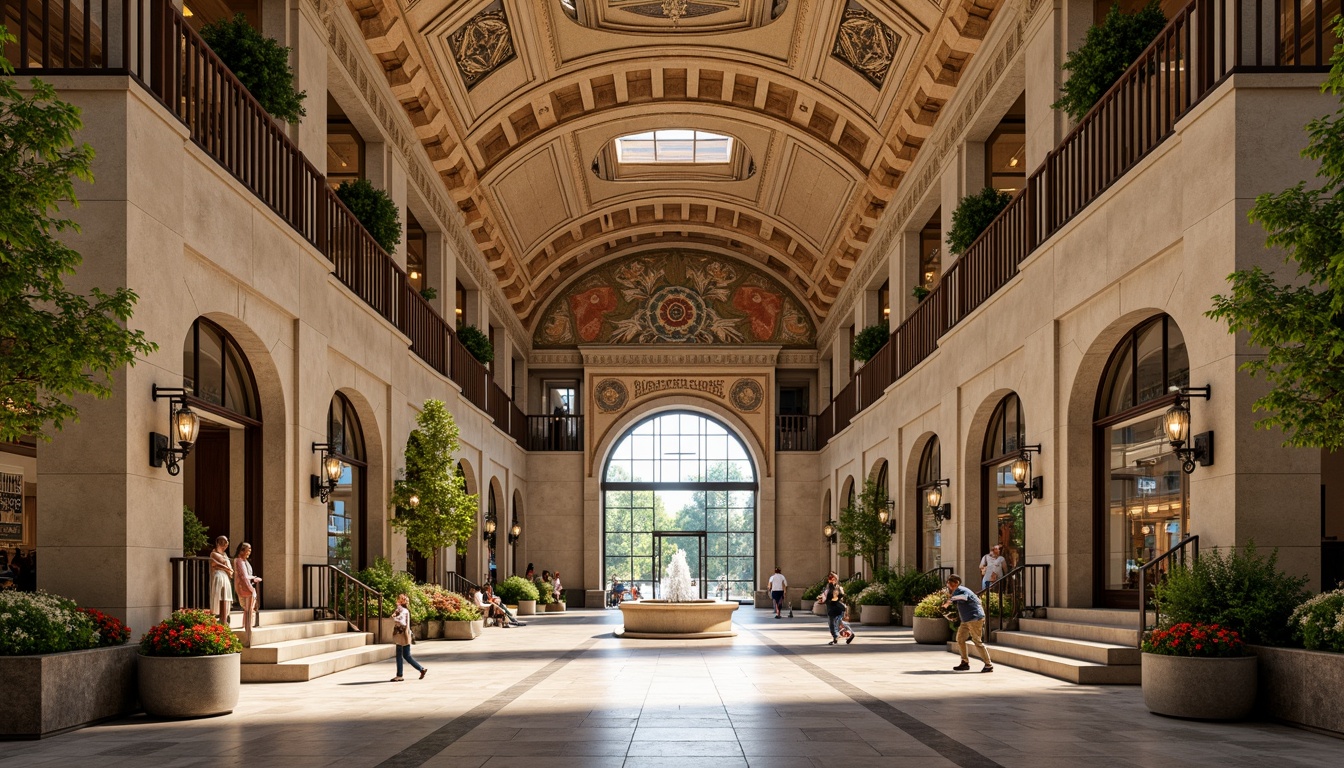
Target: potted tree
(932,627)
(516,590)
(874,604)
(862,530)
(1199,671)
(868,341)
(190,666)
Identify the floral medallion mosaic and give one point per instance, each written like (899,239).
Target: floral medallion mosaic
(746,395)
(611,395)
(675,297)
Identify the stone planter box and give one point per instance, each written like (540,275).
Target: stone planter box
(526,608)
(907,615)
(818,609)
(190,686)
(931,631)
(875,614)
(55,692)
(555,607)
(435,630)
(1301,686)
(463,630)
(384,630)
(1200,689)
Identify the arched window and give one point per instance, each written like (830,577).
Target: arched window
(1142,500)
(346,525)
(929,553)
(501,529)
(215,371)
(681,482)
(1003,513)
(884,485)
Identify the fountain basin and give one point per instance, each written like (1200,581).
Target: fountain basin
(692,620)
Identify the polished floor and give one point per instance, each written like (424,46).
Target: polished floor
(563,692)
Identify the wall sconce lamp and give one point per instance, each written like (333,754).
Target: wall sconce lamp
(1030,487)
(515,532)
(886,514)
(1177,424)
(184,426)
(332,468)
(933,496)
(828,531)
(488,528)
(414,501)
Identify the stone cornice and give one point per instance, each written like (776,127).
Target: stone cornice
(679,355)
(420,171)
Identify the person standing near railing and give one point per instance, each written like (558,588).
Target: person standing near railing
(246,584)
(221,574)
(972,616)
(992,567)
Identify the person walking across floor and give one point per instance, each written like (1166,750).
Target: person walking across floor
(972,616)
(778,585)
(833,597)
(245,582)
(221,574)
(402,637)
(992,566)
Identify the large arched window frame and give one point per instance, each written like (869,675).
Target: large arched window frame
(1141,495)
(929,549)
(1002,511)
(672,480)
(347,518)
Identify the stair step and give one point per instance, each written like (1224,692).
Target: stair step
(310,667)
(1080,630)
(1114,617)
(1059,667)
(288,650)
(272,617)
(279,633)
(1067,647)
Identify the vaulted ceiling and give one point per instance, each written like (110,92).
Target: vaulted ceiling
(516,101)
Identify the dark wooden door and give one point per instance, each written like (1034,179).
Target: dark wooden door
(211,459)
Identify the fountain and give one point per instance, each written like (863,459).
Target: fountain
(679,615)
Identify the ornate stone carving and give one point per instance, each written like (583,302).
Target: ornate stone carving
(611,395)
(650,356)
(482,45)
(866,44)
(747,395)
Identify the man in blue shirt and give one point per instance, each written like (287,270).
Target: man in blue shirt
(972,617)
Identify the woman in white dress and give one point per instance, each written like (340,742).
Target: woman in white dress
(555,586)
(221,576)
(246,584)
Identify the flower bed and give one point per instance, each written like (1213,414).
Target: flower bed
(1200,671)
(190,666)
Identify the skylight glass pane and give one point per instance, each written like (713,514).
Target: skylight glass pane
(676,151)
(674,145)
(631,151)
(713,150)
(675,135)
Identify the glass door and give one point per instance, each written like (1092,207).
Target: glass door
(667,545)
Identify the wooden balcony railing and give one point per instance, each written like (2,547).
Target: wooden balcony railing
(1200,47)
(795,433)
(555,433)
(150,41)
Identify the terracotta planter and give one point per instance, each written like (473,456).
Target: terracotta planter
(875,614)
(931,631)
(54,692)
(463,630)
(190,686)
(527,608)
(1200,689)
(555,608)
(435,630)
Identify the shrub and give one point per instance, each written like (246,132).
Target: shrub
(429,294)
(374,209)
(909,586)
(920,292)
(190,633)
(390,583)
(931,606)
(868,341)
(990,604)
(1205,641)
(1241,591)
(1319,622)
(1107,51)
(110,629)
(855,585)
(440,602)
(873,594)
(40,622)
(477,343)
(465,613)
(260,63)
(544,596)
(973,214)
(514,589)
(813,592)
(195,534)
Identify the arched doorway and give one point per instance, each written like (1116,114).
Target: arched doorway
(674,482)
(929,550)
(883,481)
(221,477)
(846,565)
(492,515)
(1141,495)
(347,519)
(1002,511)
(460,551)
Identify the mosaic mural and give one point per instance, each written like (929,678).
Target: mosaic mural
(482,45)
(675,297)
(864,43)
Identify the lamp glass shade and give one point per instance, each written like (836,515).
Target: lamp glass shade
(333,467)
(516,530)
(1021,471)
(414,501)
(1177,423)
(883,516)
(828,530)
(187,425)
(489,525)
(934,496)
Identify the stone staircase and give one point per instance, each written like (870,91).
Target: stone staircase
(290,646)
(1088,646)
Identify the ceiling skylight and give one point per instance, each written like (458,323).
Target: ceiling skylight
(674,146)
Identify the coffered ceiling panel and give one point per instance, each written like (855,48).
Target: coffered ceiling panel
(828,101)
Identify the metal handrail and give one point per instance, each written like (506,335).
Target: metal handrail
(456,582)
(191,584)
(332,593)
(1157,567)
(1023,585)
(941,571)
